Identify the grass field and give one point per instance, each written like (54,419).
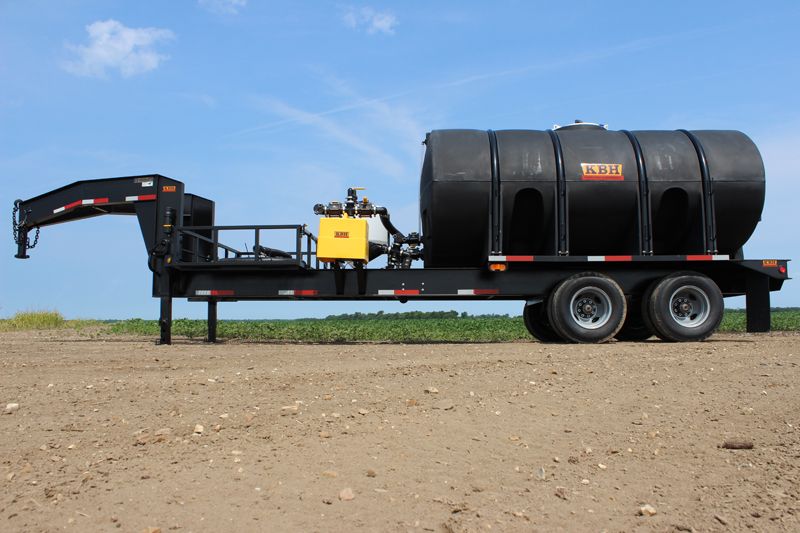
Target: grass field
(379,327)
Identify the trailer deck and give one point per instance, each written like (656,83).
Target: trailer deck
(190,258)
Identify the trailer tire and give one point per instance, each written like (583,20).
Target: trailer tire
(537,323)
(685,307)
(587,308)
(634,329)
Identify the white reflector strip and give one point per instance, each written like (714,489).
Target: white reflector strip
(466,292)
(497,258)
(720,257)
(386,292)
(286,293)
(595,258)
(59,209)
(202,293)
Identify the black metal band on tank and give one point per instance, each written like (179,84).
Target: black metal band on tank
(709,216)
(561,195)
(496,237)
(645,215)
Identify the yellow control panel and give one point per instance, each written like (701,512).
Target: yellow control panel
(343,239)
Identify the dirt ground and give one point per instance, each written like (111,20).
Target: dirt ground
(443,438)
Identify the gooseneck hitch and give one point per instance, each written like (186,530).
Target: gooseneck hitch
(19,229)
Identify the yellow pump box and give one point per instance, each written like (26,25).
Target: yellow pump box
(343,238)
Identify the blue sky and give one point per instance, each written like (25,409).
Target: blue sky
(271,107)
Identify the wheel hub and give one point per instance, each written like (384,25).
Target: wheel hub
(682,307)
(690,306)
(587,308)
(591,308)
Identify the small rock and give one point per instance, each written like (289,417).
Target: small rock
(647,510)
(330,473)
(327,501)
(10,476)
(151,530)
(371,473)
(237,452)
(737,444)
(363,411)
(584,482)
(11,408)
(540,473)
(224,416)
(198,429)
(290,410)
(721,519)
(432,390)
(324,435)
(444,405)
(346,495)
(561,492)
(601,466)
(556,460)
(411,402)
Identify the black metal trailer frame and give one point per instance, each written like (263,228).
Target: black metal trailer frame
(188,259)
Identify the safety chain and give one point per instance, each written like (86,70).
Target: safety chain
(15,226)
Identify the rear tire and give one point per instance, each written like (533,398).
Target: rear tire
(538,325)
(587,308)
(685,307)
(634,329)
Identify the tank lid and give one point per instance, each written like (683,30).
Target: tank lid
(579,124)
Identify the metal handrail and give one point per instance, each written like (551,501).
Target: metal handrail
(301,231)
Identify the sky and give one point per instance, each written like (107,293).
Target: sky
(270,107)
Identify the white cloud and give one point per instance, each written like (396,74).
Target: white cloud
(230,7)
(370,20)
(114,46)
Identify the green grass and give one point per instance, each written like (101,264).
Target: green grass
(446,326)
(40,320)
(28,320)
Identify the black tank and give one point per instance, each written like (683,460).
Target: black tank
(584,190)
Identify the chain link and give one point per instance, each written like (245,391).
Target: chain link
(35,240)
(15,226)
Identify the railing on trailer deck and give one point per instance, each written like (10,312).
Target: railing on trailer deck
(305,246)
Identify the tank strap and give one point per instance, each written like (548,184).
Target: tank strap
(645,215)
(495,216)
(561,195)
(709,216)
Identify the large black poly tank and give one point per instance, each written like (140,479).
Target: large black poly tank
(584,190)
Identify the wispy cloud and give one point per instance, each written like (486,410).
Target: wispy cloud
(199,98)
(360,103)
(114,46)
(229,7)
(379,157)
(370,20)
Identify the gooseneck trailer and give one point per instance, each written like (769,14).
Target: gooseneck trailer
(603,234)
